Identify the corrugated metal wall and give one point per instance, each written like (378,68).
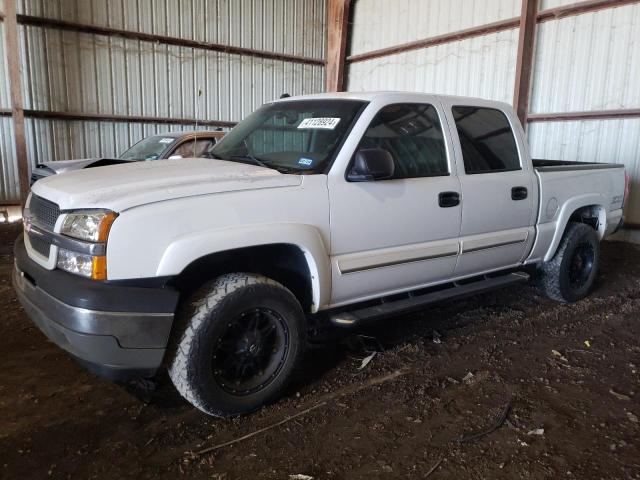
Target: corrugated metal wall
(8,170)
(97,74)
(590,62)
(383,23)
(583,62)
(448,69)
(482,66)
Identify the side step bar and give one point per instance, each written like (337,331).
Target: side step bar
(418,302)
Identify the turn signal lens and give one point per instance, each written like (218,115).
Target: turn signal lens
(84,265)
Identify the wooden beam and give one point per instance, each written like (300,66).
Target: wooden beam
(163,39)
(337,33)
(579,8)
(12,48)
(588,115)
(524,64)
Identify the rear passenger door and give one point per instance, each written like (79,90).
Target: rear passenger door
(498,188)
(399,233)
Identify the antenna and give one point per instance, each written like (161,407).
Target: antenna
(195,136)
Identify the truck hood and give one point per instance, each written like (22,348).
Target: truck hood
(119,187)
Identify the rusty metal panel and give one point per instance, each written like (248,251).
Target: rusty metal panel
(588,62)
(603,141)
(481,67)
(380,23)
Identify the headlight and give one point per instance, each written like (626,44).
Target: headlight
(89,266)
(88,225)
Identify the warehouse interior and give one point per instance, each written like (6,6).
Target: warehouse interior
(552,389)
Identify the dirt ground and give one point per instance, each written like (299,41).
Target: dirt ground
(571,371)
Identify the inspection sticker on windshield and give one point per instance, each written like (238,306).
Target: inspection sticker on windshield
(327,123)
(305,162)
(166,140)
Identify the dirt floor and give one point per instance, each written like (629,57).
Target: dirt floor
(567,377)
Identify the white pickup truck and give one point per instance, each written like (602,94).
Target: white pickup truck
(339,207)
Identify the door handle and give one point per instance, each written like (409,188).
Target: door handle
(448,199)
(519,193)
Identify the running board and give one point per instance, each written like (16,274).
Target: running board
(418,302)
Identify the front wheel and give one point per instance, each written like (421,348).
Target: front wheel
(569,275)
(241,338)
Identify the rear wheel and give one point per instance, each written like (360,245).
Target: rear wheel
(241,337)
(569,275)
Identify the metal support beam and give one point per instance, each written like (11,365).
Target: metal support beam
(579,8)
(588,115)
(479,31)
(102,117)
(12,47)
(163,39)
(499,26)
(524,65)
(337,32)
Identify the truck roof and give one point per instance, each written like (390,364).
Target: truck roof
(390,95)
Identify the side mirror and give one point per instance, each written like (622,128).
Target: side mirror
(175,157)
(371,164)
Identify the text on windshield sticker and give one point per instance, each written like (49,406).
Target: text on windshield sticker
(328,123)
(165,140)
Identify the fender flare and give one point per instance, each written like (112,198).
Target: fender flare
(568,208)
(184,250)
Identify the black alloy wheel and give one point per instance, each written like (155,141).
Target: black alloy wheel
(251,351)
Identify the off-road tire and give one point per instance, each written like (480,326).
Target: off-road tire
(202,320)
(553,276)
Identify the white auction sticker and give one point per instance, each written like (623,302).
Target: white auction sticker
(166,140)
(328,123)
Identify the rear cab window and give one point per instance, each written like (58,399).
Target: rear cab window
(487,140)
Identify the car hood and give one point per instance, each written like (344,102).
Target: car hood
(119,187)
(63,166)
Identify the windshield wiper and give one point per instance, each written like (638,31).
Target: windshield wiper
(255,160)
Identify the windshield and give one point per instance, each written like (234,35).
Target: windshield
(297,136)
(150,148)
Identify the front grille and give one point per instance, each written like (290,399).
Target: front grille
(43,212)
(39,245)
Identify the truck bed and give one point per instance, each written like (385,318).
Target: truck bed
(566,165)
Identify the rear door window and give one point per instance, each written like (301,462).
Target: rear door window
(487,140)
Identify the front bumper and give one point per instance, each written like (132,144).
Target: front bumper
(112,341)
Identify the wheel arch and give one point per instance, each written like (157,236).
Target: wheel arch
(587,209)
(293,255)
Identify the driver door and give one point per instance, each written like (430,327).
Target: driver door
(397,234)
